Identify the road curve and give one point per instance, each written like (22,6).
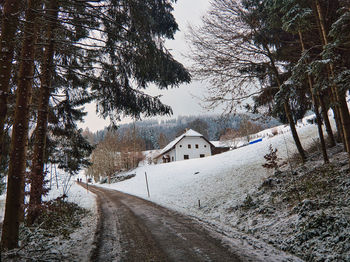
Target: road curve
(134,229)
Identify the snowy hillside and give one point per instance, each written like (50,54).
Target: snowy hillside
(217,180)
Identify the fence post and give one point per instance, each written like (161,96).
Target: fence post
(147,184)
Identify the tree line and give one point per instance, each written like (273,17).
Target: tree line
(156,135)
(120,150)
(115,153)
(288,56)
(56,56)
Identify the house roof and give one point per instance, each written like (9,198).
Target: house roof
(188,133)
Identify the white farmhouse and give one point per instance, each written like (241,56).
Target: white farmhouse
(189,145)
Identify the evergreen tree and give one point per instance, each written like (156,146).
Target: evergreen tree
(37,169)
(124,59)
(9,238)
(9,23)
(296,20)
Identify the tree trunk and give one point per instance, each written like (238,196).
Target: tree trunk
(324,111)
(294,132)
(336,113)
(7,43)
(286,107)
(37,175)
(335,109)
(338,95)
(345,118)
(18,151)
(316,107)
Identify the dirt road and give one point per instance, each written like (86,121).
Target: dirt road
(133,229)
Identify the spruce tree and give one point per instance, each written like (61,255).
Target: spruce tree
(108,51)
(296,20)
(9,23)
(338,94)
(9,238)
(37,168)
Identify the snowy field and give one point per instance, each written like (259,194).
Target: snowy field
(214,181)
(217,181)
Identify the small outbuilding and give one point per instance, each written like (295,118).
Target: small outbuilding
(189,145)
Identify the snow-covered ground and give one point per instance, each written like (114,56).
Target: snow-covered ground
(81,242)
(215,181)
(74,192)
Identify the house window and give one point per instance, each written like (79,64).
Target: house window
(189,146)
(201,155)
(196,146)
(180,145)
(186,157)
(205,145)
(172,158)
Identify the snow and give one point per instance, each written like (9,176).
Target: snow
(2,206)
(213,180)
(76,194)
(218,182)
(80,244)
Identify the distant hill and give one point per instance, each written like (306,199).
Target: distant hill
(211,126)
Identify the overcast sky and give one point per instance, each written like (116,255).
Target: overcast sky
(182,99)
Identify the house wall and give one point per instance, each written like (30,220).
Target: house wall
(193,152)
(171,154)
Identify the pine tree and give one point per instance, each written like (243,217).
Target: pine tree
(11,10)
(37,170)
(124,59)
(295,20)
(338,94)
(9,238)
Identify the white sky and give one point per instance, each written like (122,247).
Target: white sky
(182,99)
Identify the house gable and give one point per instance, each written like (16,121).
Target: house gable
(192,147)
(189,145)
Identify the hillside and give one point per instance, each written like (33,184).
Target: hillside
(211,126)
(235,191)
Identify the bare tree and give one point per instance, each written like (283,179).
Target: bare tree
(105,158)
(246,129)
(114,153)
(162,140)
(222,51)
(225,51)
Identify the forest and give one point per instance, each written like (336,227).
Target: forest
(213,127)
(56,56)
(287,56)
